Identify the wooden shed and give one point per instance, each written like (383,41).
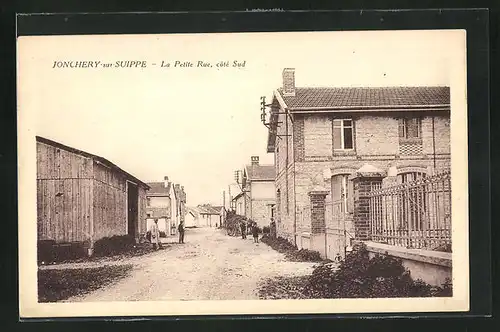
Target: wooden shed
(82,197)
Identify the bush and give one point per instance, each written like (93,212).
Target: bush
(309,255)
(48,251)
(360,276)
(291,253)
(59,284)
(113,245)
(266,230)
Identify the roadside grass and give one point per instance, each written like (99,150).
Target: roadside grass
(290,251)
(135,250)
(57,285)
(357,276)
(288,288)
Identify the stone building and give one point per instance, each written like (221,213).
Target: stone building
(257,199)
(166,202)
(321,136)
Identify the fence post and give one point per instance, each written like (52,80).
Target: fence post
(318,223)
(365,179)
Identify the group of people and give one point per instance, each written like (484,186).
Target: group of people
(155,234)
(253,228)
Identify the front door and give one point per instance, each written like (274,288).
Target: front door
(133,211)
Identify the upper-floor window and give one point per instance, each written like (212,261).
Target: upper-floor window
(410,128)
(343,134)
(148,201)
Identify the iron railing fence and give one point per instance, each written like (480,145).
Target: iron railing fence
(415,214)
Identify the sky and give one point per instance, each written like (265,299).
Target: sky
(198,125)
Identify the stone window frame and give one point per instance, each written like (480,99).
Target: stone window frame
(412,169)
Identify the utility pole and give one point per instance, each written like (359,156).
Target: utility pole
(223,217)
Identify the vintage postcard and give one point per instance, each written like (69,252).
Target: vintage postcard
(243,173)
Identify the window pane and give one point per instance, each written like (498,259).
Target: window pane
(337,144)
(401,128)
(347,138)
(347,123)
(412,128)
(336,188)
(337,123)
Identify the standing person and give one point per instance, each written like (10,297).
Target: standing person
(181,233)
(255,232)
(243,230)
(273,228)
(155,235)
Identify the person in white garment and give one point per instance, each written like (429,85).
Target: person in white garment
(155,235)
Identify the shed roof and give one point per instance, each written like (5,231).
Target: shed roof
(364,98)
(92,156)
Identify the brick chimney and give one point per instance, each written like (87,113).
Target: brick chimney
(165,181)
(183,194)
(289,82)
(255,160)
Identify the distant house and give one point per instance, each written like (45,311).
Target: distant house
(210,216)
(166,201)
(82,197)
(161,204)
(192,217)
(257,199)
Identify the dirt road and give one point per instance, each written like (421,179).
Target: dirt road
(209,266)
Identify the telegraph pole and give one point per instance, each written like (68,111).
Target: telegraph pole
(223,209)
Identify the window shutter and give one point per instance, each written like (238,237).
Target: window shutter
(401,124)
(418,122)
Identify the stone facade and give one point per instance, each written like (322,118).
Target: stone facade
(320,138)
(375,140)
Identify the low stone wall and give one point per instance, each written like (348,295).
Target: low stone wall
(433,267)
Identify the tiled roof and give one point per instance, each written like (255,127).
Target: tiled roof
(208,209)
(261,172)
(367,98)
(195,211)
(158,189)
